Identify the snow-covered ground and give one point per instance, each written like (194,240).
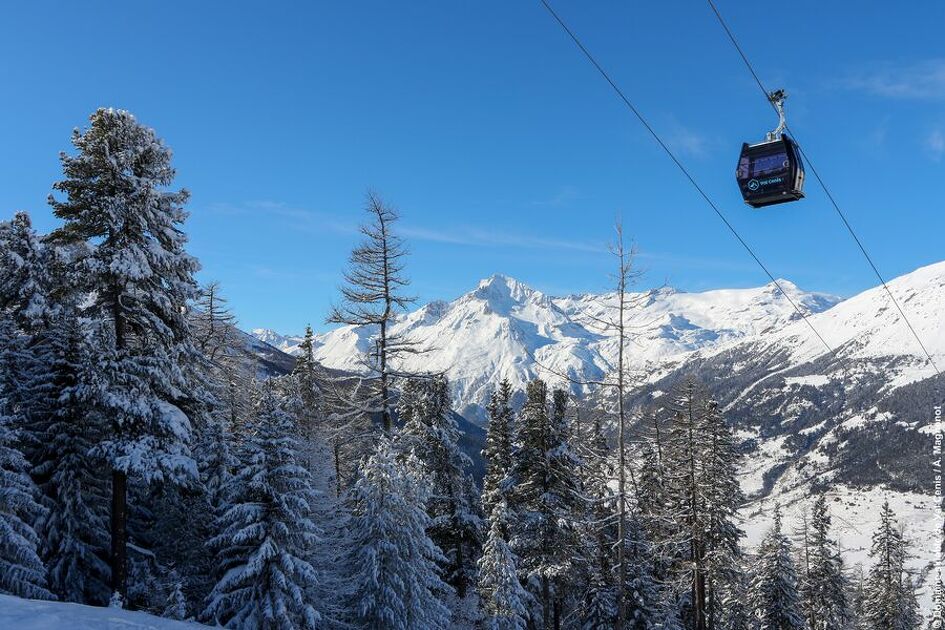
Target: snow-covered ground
(30,614)
(855,516)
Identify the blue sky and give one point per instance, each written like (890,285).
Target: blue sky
(501,147)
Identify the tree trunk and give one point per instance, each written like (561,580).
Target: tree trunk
(119,515)
(119,550)
(382,356)
(621,461)
(545,604)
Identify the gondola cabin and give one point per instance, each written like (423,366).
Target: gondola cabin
(770,172)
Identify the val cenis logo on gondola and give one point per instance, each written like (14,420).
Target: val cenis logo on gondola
(755,184)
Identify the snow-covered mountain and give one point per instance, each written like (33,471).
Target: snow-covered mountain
(505,329)
(856,423)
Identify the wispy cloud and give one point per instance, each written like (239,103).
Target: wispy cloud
(935,142)
(924,80)
(687,142)
(477,237)
(564,196)
(463,235)
(301,218)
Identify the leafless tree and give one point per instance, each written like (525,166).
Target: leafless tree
(616,320)
(373,293)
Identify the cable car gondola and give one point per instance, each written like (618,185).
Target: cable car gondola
(771,172)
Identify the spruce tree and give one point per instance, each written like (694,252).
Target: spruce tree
(599,533)
(823,586)
(888,598)
(139,280)
(24,265)
(774,597)
(431,435)
(74,531)
(498,451)
(261,550)
(504,600)
(546,500)
(722,498)
(22,573)
(688,498)
(395,570)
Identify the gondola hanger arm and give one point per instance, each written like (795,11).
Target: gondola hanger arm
(777,98)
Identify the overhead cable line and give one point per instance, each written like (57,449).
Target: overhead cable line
(682,168)
(823,185)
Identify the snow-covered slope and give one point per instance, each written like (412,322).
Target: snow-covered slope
(505,329)
(856,425)
(30,614)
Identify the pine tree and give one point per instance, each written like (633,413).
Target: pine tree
(504,601)
(395,569)
(431,435)
(774,596)
(688,498)
(888,598)
(722,498)
(23,267)
(139,281)
(599,533)
(21,571)
(74,531)
(265,532)
(546,500)
(498,451)
(374,293)
(823,586)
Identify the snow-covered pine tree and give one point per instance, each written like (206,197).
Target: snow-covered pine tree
(823,585)
(888,597)
(722,497)
(23,268)
(646,605)
(734,611)
(395,570)
(687,495)
(265,533)
(598,531)
(654,500)
(22,573)
(545,500)
(74,531)
(305,370)
(375,289)
(498,451)
(504,601)
(139,280)
(775,601)
(430,434)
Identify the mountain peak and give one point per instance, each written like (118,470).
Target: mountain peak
(499,288)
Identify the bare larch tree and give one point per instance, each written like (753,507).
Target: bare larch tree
(373,293)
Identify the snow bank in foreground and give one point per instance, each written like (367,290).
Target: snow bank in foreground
(31,614)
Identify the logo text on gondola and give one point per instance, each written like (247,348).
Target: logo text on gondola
(755,184)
